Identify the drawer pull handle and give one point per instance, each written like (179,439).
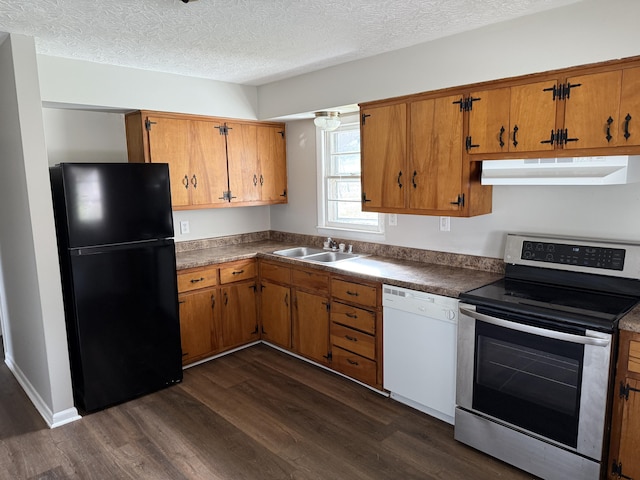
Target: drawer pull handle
(196,280)
(353,294)
(237,272)
(350,338)
(351,315)
(181,302)
(352,362)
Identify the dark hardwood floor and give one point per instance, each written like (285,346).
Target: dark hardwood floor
(255,414)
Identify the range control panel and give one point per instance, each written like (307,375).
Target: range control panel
(578,255)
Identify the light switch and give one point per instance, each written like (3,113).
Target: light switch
(393,219)
(184,227)
(445,224)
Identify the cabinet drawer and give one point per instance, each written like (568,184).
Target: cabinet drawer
(275,273)
(353,317)
(310,279)
(236,271)
(634,356)
(354,292)
(353,341)
(354,365)
(194,279)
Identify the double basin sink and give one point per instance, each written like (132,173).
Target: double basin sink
(318,255)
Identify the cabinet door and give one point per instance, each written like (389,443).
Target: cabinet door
(244,170)
(489,121)
(311,326)
(273,164)
(629,122)
(533,117)
(593,100)
(239,316)
(435,173)
(275,303)
(208,173)
(169,143)
(629,438)
(197,324)
(384,153)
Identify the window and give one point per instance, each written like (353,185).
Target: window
(341,190)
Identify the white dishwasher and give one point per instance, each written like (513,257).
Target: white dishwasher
(419,350)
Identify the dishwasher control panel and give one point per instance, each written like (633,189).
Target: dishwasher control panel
(420,303)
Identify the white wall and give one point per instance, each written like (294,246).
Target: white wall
(75,82)
(89,136)
(35,338)
(84,136)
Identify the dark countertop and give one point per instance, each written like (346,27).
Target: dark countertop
(426,277)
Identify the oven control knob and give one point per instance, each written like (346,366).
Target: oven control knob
(549,257)
(539,247)
(528,255)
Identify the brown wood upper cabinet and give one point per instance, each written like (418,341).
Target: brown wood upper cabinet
(512,119)
(580,111)
(412,158)
(213,162)
(421,153)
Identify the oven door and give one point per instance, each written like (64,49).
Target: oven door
(548,383)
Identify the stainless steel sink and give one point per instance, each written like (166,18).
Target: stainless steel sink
(317,255)
(298,252)
(331,257)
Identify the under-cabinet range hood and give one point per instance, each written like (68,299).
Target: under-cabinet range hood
(614,170)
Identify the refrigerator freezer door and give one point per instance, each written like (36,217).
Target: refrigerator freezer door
(124,331)
(108,203)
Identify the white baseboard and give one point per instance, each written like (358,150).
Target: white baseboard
(53,419)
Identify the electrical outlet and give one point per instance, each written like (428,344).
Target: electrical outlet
(184,227)
(445,224)
(393,219)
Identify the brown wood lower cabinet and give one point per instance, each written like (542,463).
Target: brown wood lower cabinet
(356,340)
(239,315)
(198,323)
(275,303)
(275,310)
(310,288)
(311,326)
(353,365)
(333,319)
(624,461)
(218,308)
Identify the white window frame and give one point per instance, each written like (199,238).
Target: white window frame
(356,231)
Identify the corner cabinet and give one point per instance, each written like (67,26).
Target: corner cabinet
(413,159)
(213,162)
(332,320)
(625,425)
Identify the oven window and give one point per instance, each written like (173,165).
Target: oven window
(530,381)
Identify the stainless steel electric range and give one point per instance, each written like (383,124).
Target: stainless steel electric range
(536,352)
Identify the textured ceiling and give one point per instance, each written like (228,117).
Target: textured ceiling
(246,41)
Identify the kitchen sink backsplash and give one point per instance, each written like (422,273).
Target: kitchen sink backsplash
(487,264)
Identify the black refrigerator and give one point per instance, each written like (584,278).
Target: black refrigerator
(117,260)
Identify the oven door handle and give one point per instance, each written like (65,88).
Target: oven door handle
(567,337)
